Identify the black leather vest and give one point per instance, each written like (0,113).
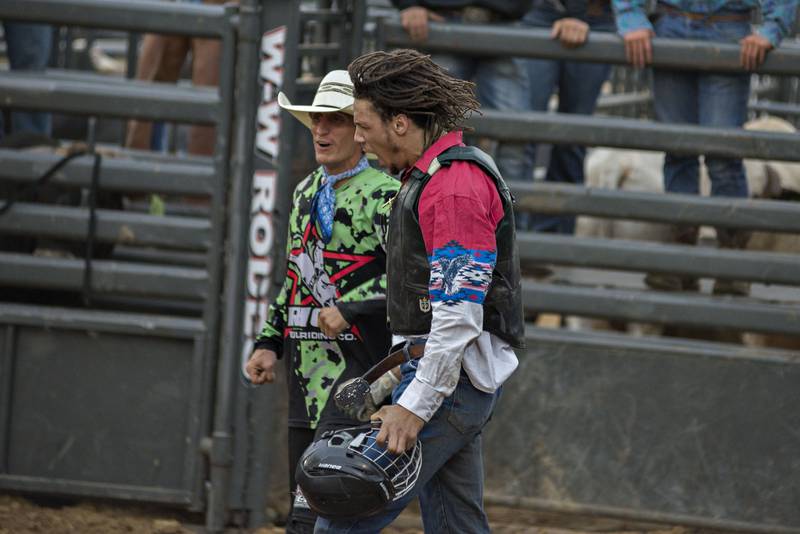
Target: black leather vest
(408,270)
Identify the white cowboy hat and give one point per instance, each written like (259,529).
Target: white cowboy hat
(335,93)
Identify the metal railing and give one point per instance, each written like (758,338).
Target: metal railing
(196,20)
(148,301)
(504,41)
(562,128)
(491,41)
(589,373)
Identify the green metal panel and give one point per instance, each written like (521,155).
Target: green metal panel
(101,407)
(691,433)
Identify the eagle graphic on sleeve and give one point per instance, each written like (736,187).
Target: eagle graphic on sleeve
(459,274)
(450,269)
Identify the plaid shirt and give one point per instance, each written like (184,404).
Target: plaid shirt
(778,15)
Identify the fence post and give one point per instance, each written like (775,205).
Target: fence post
(259,207)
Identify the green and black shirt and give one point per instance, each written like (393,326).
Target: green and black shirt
(348,272)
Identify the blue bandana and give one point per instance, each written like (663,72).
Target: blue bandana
(326,197)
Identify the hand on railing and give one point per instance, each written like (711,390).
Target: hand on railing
(415,22)
(571,32)
(754,50)
(638,47)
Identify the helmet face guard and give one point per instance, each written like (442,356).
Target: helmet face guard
(347,474)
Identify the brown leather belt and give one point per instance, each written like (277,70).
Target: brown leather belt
(353,393)
(742,16)
(399,355)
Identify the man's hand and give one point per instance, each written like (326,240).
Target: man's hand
(571,32)
(261,366)
(331,322)
(399,428)
(415,22)
(754,50)
(638,47)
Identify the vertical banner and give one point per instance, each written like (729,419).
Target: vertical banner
(271,184)
(275,151)
(259,216)
(262,237)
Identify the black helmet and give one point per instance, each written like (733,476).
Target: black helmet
(347,474)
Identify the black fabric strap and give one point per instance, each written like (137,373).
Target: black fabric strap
(91,231)
(29,188)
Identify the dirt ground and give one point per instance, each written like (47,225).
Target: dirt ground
(19,515)
(22,516)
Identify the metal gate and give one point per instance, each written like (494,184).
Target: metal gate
(138,394)
(113,398)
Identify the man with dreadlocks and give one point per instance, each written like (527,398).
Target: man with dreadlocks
(452,283)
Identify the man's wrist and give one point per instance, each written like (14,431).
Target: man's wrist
(269,344)
(421,399)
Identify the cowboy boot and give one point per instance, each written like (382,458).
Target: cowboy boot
(684,235)
(731,239)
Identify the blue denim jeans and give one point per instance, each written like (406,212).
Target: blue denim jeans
(450,483)
(499,85)
(28,49)
(578,85)
(693,97)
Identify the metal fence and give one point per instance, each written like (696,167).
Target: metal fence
(300,42)
(112,397)
(653,429)
(672,430)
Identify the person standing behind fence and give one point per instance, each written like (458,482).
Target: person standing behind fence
(28,48)
(161,58)
(577,83)
(329,320)
(499,80)
(707,99)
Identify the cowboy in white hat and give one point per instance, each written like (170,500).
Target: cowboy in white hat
(335,93)
(329,320)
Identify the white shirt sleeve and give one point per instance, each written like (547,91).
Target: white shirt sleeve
(453,328)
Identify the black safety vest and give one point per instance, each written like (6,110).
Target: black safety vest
(408,270)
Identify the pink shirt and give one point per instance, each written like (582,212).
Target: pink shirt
(460,203)
(459,211)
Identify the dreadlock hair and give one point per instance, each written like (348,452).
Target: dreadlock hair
(408,82)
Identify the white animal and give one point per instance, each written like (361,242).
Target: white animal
(637,170)
(627,170)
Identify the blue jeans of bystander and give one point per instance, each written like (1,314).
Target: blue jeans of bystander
(499,85)
(715,100)
(28,49)
(578,85)
(450,483)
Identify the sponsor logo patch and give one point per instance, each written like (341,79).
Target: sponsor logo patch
(331,466)
(424,304)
